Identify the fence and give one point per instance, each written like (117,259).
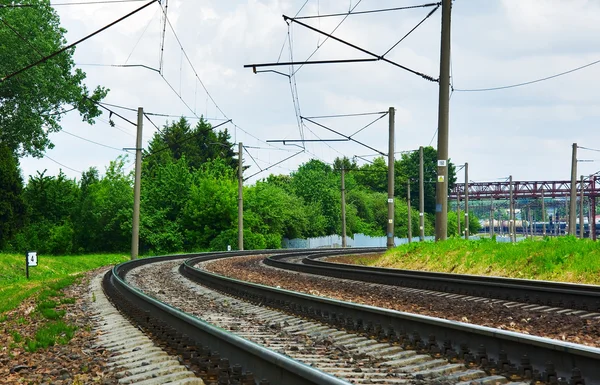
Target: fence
(362,240)
(358,240)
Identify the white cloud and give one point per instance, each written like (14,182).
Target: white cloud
(524,131)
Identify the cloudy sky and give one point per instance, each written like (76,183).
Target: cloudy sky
(525,131)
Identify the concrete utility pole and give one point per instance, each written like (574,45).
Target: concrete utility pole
(511,213)
(593,208)
(530,224)
(390,224)
(543,214)
(421,196)
(573,205)
(492,219)
(441,189)
(466,200)
(581,208)
(458,212)
(343,207)
(135,231)
(409,211)
(240,197)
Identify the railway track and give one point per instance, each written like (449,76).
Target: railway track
(576,298)
(356,343)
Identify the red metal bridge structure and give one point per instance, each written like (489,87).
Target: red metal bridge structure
(531,190)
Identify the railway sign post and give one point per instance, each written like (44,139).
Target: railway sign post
(31,259)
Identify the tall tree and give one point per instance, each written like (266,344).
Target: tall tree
(199,144)
(33,102)
(408,168)
(12,207)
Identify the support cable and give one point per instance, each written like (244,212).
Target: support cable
(379,57)
(342,135)
(370,11)
(46,58)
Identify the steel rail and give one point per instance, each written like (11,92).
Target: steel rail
(182,327)
(547,293)
(517,353)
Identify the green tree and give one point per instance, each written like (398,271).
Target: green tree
(12,207)
(373,175)
(198,144)
(271,211)
(106,210)
(212,204)
(317,184)
(408,168)
(32,103)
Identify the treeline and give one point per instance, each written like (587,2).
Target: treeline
(189,200)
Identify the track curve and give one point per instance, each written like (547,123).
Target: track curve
(503,352)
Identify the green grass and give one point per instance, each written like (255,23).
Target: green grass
(566,259)
(47,279)
(49,335)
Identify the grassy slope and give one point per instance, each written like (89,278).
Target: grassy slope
(52,271)
(564,259)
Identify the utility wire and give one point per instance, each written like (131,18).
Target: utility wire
(587,148)
(20,36)
(529,82)
(370,124)
(42,60)
(60,164)
(91,141)
(96,2)
(251,157)
(274,164)
(332,32)
(378,57)
(370,11)
(346,115)
(344,136)
(184,140)
(412,30)
(159,114)
(191,65)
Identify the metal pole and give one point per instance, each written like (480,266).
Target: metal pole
(593,208)
(240,197)
(543,214)
(530,222)
(135,231)
(581,208)
(466,200)
(343,207)
(492,217)
(567,217)
(421,196)
(390,224)
(441,190)
(458,212)
(511,213)
(409,211)
(573,203)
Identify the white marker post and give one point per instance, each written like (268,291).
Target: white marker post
(31,259)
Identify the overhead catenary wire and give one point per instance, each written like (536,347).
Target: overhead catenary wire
(379,57)
(413,29)
(94,142)
(325,40)
(528,82)
(60,164)
(184,140)
(369,11)
(45,58)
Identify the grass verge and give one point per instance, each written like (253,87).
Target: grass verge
(52,274)
(565,259)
